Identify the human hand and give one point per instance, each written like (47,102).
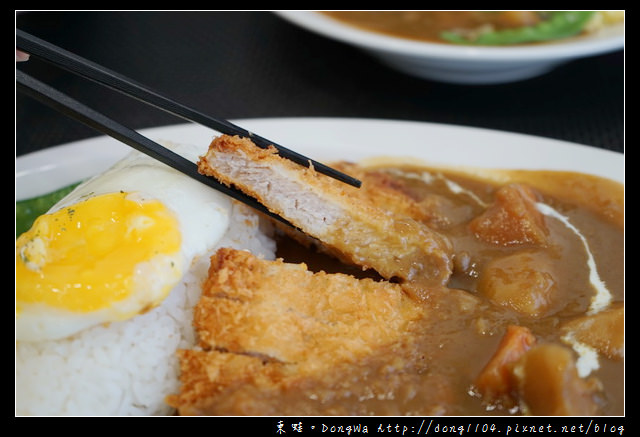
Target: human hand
(21,56)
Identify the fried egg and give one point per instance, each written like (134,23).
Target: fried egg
(114,247)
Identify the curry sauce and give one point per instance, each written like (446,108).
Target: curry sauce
(436,368)
(530,320)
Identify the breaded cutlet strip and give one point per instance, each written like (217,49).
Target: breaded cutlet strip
(340,216)
(284,312)
(379,189)
(267,324)
(383,190)
(209,376)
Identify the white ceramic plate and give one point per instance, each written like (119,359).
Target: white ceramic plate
(461,64)
(327,139)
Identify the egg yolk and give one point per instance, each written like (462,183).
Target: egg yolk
(84,257)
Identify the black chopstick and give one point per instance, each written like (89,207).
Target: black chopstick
(90,70)
(100,122)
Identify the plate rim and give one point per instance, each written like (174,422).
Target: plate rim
(280,129)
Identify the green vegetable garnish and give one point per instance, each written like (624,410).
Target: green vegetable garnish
(558,25)
(30,209)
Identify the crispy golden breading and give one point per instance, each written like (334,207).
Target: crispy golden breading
(279,310)
(384,191)
(340,216)
(209,376)
(268,323)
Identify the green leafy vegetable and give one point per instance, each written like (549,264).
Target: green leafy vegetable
(558,25)
(30,209)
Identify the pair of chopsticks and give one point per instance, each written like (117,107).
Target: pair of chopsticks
(74,109)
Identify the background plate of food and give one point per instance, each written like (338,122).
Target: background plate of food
(470,47)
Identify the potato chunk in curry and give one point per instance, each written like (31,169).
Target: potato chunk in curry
(603,331)
(524,282)
(548,383)
(512,220)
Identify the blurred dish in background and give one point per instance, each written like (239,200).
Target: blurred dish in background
(481,27)
(471,47)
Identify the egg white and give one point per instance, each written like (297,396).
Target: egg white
(203,217)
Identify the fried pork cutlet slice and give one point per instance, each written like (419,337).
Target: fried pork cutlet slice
(270,325)
(338,215)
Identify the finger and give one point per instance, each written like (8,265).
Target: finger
(21,56)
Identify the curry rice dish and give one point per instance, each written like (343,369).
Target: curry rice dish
(425,292)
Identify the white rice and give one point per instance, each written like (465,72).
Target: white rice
(126,368)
